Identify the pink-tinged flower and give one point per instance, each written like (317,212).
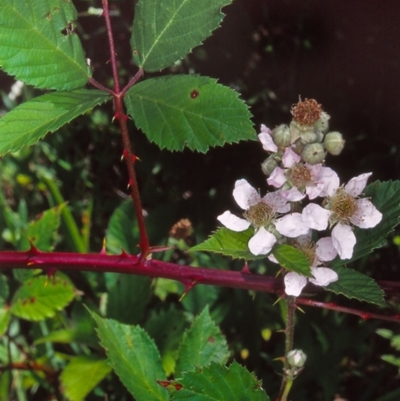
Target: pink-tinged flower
(261,213)
(266,139)
(343,209)
(299,180)
(322,251)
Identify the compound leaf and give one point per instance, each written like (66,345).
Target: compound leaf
(134,357)
(353,284)
(40,297)
(202,344)
(30,121)
(164,31)
(189,110)
(38,44)
(218,383)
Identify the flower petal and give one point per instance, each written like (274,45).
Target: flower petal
(293,195)
(245,195)
(325,250)
(330,180)
(294,283)
(343,240)
(262,242)
(290,158)
(233,222)
(266,140)
(277,178)
(356,185)
(366,215)
(323,276)
(316,217)
(277,202)
(291,225)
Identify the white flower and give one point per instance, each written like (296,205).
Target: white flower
(343,209)
(302,179)
(266,139)
(322,276)
(261,213)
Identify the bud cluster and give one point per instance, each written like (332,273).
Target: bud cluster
(307,135)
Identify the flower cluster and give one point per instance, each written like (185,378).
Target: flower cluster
(296,170)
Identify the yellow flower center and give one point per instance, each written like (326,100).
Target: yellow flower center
(300,176)
(259,215)
(343,206)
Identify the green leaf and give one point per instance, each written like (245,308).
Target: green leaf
(189,110)
(292,259)
(166,328)
(199,297)
(122,231)
(353,284)
(128,290)
(82,375)
(39,46)
(30,121)
(134,357)
(41,232)
(5,317)
(386,198)
(219,383)
(41,297)
(4,290)
(202,344)
(229,243)
(164,31)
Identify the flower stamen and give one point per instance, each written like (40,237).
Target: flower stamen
(259,215)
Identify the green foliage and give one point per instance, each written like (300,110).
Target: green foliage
(122,231)
(81,375)
(41,297)
(202,344)
(234,383)
(41,232)
(32,120)
(188,111)
(229,243)
(134,357)
(292,259)
(38,44)
(128,290)
(164,31)
(354,284)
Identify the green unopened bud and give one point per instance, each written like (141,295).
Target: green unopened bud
(281,135)
(323,123)
(296,358)
(268,165)
(295,131)
(320,136)
(334,143)
(308,137)
(313,153)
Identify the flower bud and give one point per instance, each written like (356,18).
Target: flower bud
(323,123)
(308,137)
(313,153)
(296,358)
(295,131)
(268,165)
(281,135)
(334,143)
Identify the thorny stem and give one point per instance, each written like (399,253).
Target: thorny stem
(188,275)
(287,381)
(122,119)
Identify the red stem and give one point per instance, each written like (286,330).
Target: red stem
(122,119)
(188,275)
